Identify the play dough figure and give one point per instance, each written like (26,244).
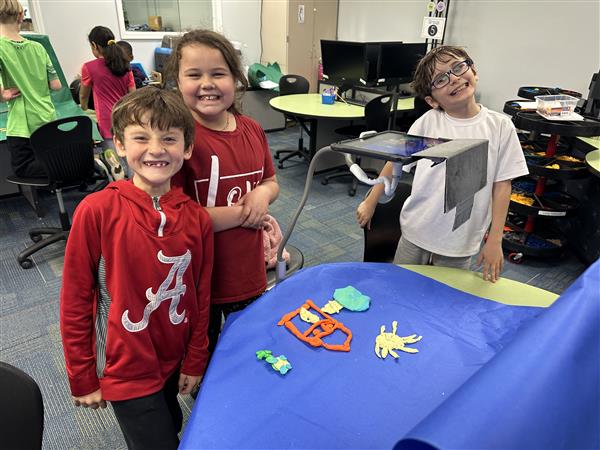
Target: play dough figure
(388,342)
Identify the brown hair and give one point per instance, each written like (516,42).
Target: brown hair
(219,42)
(165,108)
(426,67)
(114,55)
(9,11)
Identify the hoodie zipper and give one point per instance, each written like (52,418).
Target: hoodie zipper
(163,217)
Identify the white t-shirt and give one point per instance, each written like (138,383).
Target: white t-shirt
(422,219)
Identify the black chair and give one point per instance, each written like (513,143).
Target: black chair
(405,119)
(296,262)
(65,148)
(21,410)
(293,84)
(377,118)
(382,239)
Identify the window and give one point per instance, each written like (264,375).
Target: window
(27,24)
(152,19)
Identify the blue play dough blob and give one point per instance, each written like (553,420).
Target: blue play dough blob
(352,299)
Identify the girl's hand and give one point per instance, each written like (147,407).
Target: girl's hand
(364,212)
(10,93)
(255,206)
(493,261)
(187,383)
(93,400)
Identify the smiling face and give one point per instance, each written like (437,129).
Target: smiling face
(153,155)
(206,83)
(457,97)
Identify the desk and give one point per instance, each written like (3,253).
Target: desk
(309,109)
(356,400)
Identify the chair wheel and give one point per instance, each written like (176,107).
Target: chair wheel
(35,237)
(26,263)
(324,181)
(516,258)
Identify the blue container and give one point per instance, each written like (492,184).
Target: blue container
(327,99)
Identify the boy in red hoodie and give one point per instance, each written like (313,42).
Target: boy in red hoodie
(136,280)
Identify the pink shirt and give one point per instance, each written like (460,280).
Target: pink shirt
(107,90)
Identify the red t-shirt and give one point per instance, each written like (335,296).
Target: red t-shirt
(107,90)
(224,166)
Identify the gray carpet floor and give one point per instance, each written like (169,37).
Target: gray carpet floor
(29,329)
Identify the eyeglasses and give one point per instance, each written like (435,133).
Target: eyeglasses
(457,70)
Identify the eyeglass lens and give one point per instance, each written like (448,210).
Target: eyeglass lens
(457,69)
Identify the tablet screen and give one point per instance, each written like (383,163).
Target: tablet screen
(389,145)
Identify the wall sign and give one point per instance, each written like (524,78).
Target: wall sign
(433,27)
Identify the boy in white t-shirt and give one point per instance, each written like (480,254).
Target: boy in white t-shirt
(446,79)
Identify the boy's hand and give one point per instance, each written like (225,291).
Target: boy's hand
(10,93)
(187,383)
(493,261)
(255,207)
(93,400)
(364,212)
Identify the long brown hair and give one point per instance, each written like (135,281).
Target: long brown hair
(219,42)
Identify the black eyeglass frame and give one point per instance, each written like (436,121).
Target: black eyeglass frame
(469,63)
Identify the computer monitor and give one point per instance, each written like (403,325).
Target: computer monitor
(347,62)
(397,60)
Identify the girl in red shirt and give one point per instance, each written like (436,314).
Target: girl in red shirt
(230,172)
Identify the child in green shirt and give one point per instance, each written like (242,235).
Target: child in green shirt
(26,75)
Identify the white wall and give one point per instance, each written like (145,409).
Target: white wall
(68,23)
(241,22)
(513,43)
(380,20)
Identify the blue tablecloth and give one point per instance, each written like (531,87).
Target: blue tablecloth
(356,400)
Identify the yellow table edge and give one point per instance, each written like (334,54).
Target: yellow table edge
(311,105)
(508,292)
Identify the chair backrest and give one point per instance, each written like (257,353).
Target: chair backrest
(293,84)
(378,112)
(21,410)
(66,149)
(381,240)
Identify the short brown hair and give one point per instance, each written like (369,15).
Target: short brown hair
(426,67)
(219,42)
(9,11)
(166,110)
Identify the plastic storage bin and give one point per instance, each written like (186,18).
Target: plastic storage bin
(327,99)
(556,105)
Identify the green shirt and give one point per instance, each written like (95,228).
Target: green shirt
(26,65)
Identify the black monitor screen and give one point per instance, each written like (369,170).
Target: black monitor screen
(344,61)
(398,60)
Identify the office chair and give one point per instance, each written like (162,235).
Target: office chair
(405,119)
(65,148)
(377,117)
(382,239)
(22,410)
(293,84)
(295,263)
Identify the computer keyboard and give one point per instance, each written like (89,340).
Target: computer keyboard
(356,101)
